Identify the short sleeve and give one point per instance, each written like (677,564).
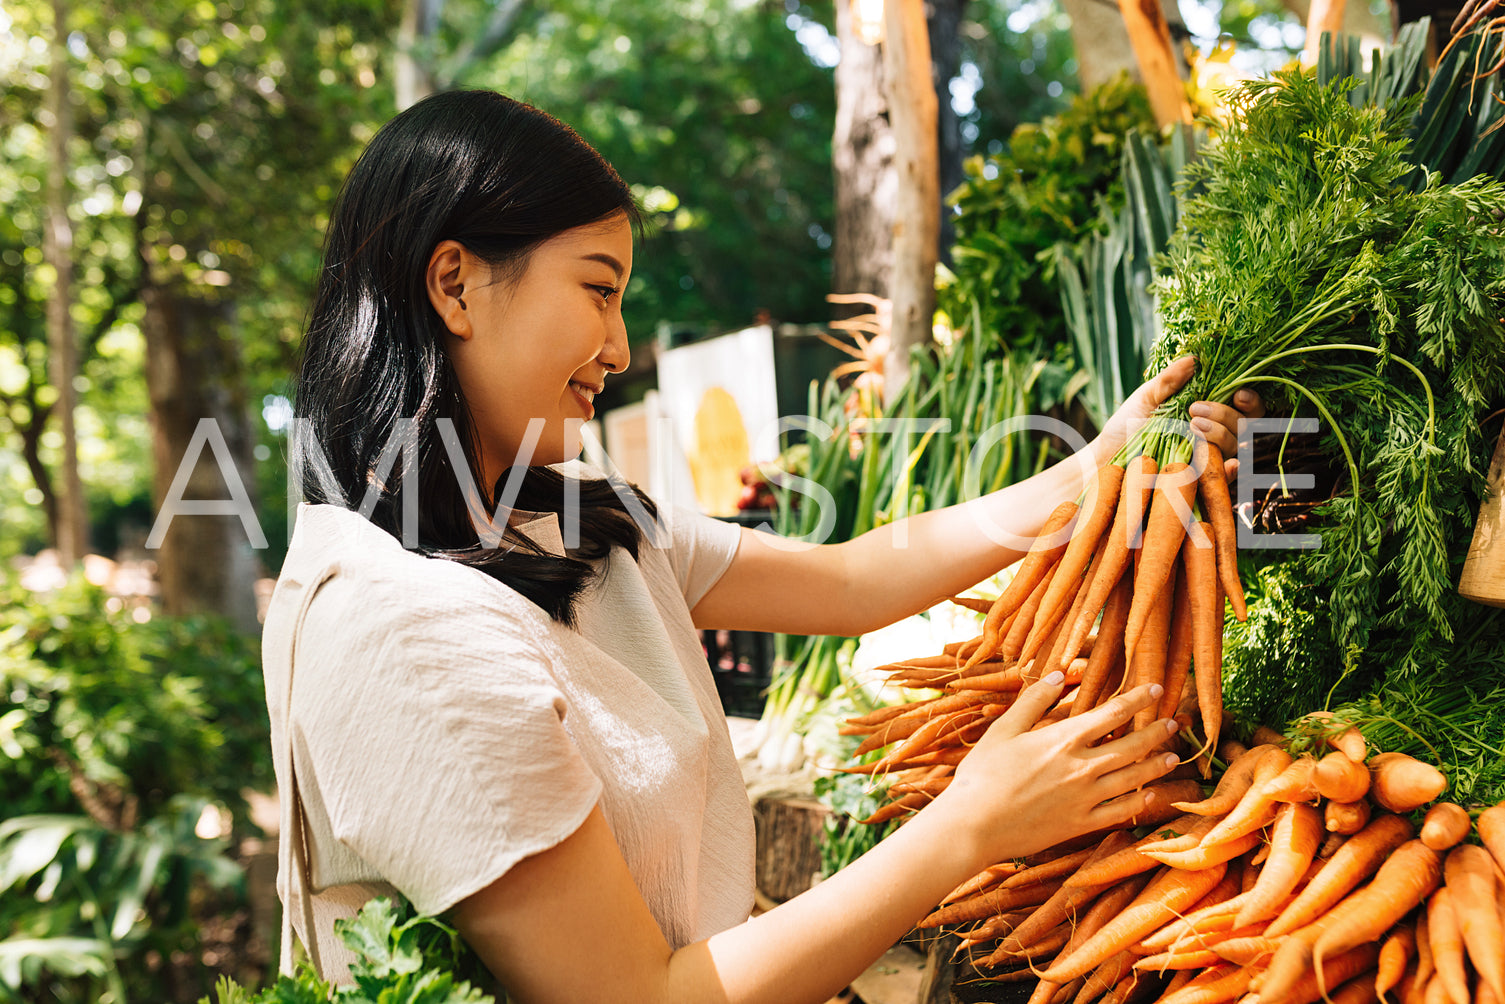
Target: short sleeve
(441,758)
(700,550)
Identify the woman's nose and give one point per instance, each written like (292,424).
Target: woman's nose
(615,354)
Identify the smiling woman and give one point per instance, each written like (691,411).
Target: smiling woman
(501,708)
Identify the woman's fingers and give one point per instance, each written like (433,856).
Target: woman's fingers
(1030,706)
(1136,745)
(1122,809)
(1169,380)
(1106,717)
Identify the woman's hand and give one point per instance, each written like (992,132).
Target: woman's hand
(1215,422)
(1022,791)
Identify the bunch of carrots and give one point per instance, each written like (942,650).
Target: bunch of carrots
(1298,878)
(1148,555)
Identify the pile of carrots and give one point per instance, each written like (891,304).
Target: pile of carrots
(1298,878)
(1134,558)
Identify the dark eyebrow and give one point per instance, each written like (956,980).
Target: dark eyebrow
(606,260)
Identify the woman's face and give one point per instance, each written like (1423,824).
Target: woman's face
(534,350)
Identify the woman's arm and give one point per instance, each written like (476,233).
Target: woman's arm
(901,568)
(568,924)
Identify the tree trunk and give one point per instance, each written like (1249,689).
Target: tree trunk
(1102,41)
(413,74)
(206,563)
(1149,34)
(916,230)
(945,54)
(71,528)
(862,156)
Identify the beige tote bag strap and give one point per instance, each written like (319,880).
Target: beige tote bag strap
(300,881)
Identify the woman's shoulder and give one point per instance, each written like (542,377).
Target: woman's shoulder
(359,576)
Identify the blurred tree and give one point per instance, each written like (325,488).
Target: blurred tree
(216,136)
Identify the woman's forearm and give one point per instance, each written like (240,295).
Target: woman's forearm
(901,568)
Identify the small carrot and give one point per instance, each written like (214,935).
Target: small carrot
(1358,990)
(1401,783)
(1096,515)
(1178,648)
(1215,985)
(1346,817)
(1151,654)
(1184,833)
(988,903)
(1491,826)
(1425,968)
(1295,782)
(1404,880)
(1168,894)
(1445,825)
(1042,556)
(1340,779)
(1065,901)
(1256,807)
(1199,958)
(1205,855)
(1231,786)
(1447,945)
(1313,982)
(1121,538)
(974,603)
(1474,893)
(1108,651)
(1395,953)
(1013,642)
(1058,654)
(1250,950)
(985,879)
(1105,977)
(1204,595)
(1055,868)
(1355,861)
(1165,528)
(1293,845)
(1213,482)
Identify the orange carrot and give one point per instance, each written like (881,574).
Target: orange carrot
(1063,904)
(1013,642)
(1293,844)
(1042,556)
(1184,833)
(1167,895)
(1108,651)
(1445,825)
(1205,597)
(1100,505)
(1216,985)
(1340,779)
(1216,501)
(1256,807)
(1055,868)
(1346,817)
(1122,536)
(1251,950)
(1198,958)
(1471,886)
(1401,783)
(1395,954)
(1295,782)
(1312,983)
(1404,880)
(1491,827)
(1424,965)
(1447,945)
(1358,990)
(1057,654)
(974,603)
(1205,855)
(1105,977)
(1151,654)
(1231,786)
(1175,488)
(1355,861)
(988,903)
(1178,648)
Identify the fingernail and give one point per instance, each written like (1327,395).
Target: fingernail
(1171,725)
(1202,424)
(1156,690)
(1055,678)
(1171,760)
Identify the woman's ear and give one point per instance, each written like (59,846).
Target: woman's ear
(450,266)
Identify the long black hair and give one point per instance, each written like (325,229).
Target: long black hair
(500,177)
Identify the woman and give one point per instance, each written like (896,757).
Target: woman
(509,718)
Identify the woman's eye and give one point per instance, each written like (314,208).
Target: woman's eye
(607,292)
